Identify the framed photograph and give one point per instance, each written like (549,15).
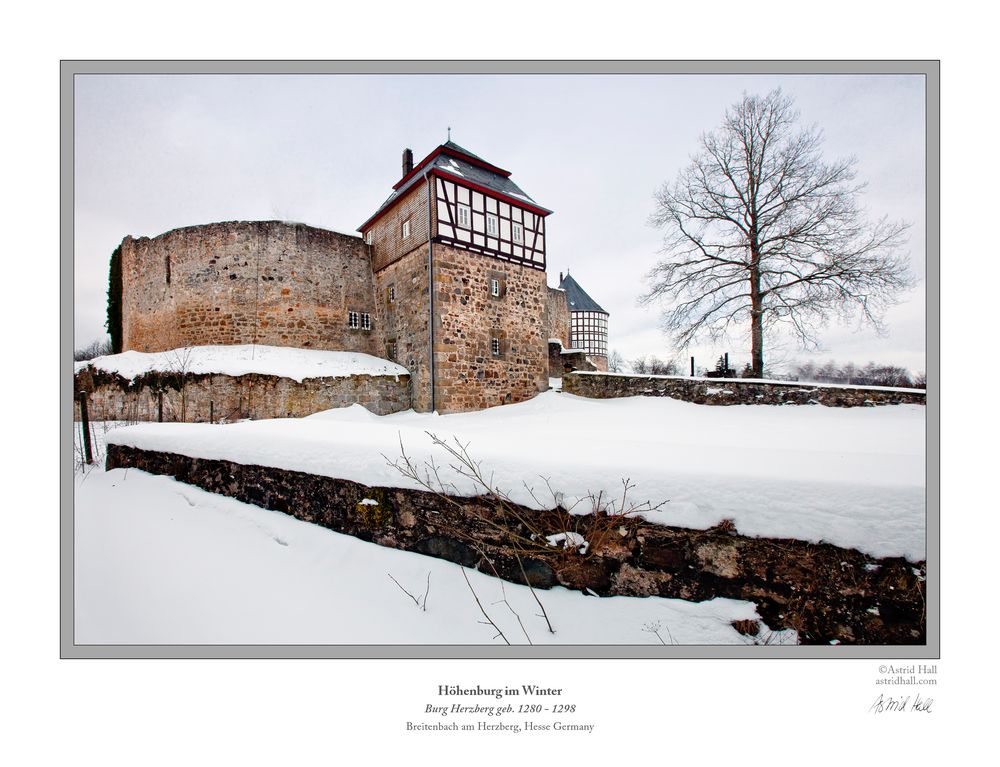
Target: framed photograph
(501,359)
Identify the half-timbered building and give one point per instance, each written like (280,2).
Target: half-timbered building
(588,322)
(459,254)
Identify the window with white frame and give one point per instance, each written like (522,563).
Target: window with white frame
(406,229)
(463,216)
(518,234)
(353,320)
(370,236)
(494,287)
(366,321)
(491,224)
(391,294)
(495,347)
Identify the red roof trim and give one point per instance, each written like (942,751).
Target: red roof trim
(376,216)
(529,206)
(516,201)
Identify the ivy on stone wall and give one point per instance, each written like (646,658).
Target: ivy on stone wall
(113,324)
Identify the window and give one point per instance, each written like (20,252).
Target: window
(518,237)
(369,236)
(463,216)
(494,287)
(390,294)
(406,229)
(495,347)
(352,320)
(491,224)
(390,350)
(366,321)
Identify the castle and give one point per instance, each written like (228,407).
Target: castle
(447,279)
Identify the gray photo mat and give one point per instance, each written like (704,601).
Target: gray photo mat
(928,68)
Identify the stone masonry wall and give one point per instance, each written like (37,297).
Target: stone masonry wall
(563,361)
(199,398)
(467,317)
(733,391)
(404,320)
(826,593)
(557,316)
(266,282)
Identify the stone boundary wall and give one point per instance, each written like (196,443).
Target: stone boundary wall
(563,361)
(735,391)
(824,592)
(198,398)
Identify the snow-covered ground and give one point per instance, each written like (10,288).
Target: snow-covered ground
(161,562)
(244,359)
(849,476)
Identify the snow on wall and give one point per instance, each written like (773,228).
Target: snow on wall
(243,359)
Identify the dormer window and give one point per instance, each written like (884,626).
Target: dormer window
(518,234)
(463,216)
(406,229)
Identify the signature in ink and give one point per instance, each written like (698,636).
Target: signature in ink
(885,705)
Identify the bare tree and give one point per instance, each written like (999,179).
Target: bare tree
(616,362)
(97,348)
(759,228)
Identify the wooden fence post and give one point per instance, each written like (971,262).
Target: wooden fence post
(85,425)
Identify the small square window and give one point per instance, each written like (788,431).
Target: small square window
(494,287)
(495,347)
(463,216)
(406,229)
(366,321)
(518,235)
(352,320)
(491,224)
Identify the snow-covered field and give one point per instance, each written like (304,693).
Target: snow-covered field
(160,562)
(849,476)
(157,561)
(244,359)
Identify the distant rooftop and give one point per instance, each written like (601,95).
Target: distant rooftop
(577,297)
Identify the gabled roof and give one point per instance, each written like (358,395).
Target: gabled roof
(452,161)
(577,297)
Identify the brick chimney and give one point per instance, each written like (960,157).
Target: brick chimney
(407,161)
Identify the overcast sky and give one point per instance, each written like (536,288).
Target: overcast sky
(154,153)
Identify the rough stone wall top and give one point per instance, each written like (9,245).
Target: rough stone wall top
(735,391)
(267,282)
